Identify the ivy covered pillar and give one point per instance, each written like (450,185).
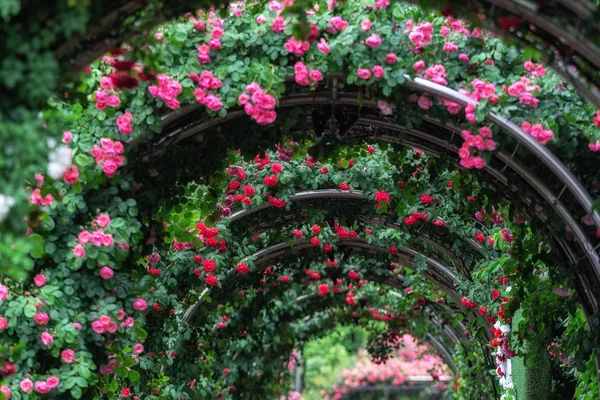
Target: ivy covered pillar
(532,377)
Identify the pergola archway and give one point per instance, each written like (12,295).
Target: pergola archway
(523,175)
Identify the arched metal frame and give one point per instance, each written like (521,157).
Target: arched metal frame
(587,288)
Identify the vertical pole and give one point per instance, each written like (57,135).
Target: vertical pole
(298,372)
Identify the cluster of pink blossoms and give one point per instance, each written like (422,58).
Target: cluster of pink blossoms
(538,132)
(36,198)
(96,238)
(435,73)
(214,41)
(364,73)
(105,324)
(302,74)
(109,156)
(167,90)
(523,88)
(384,107)
(535,69)
(258,104)
(420,35)
(105,97)
(41,387)
(124,123)
(482,142)
(297,47)
(207,81)
(481,90)
(336,24)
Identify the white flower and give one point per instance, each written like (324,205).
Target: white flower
(6,202)
(505,328)
(58,161)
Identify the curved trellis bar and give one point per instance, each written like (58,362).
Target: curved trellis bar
(554,200)
(422,85)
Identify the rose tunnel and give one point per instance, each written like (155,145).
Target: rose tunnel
(394,169)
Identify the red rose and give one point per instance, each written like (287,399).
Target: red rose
(7,369)
(480,237)
(344,186)
(426,199)
(276,168)
(482,310)
(211,232)
(197,258)
(323,289)
(209,265)
(297,233)
(243,268)
(315,241)
(315,229)
(249,190)
(270,180)
(370,149)
(233,186)
(353,275)
(212,280)
(410,220)
(284,279)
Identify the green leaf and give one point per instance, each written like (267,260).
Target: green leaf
(76,392)
(134,376)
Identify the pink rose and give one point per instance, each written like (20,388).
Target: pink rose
(26,385)
(98,326)
(67,136)
(42,387)
(261,19)
(424,102)
(463,58)
(77,325)
(68,356)
(3,292)
(138,348)
(3,323)
(109,168)
(365,25)
(97,237)
(113,101)
(391,58)
(71,175)
(529,66)
(39,280)
(323,47)
(6,391)
(243,99)
(315,75)
(363,73)
(103,220)
(47,338)
(41,318)
(107,240)
(450,47)
(128,323)
(84,237)
(140,305)
(418,66)
(53,382)
(212,102)
(373,41)
(106,273)
(378,71)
